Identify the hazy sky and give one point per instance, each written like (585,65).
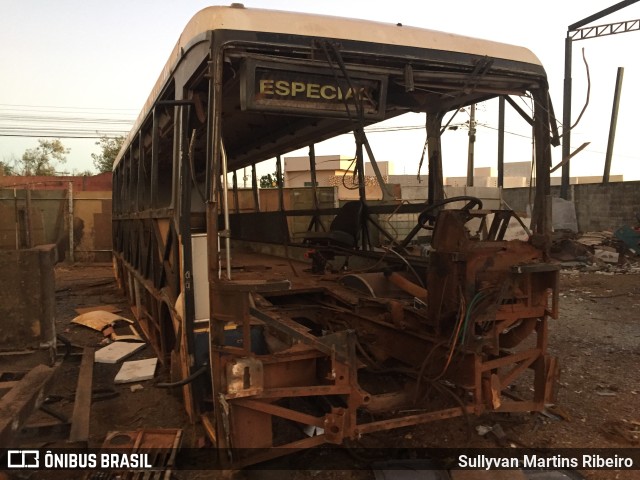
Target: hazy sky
(97,60)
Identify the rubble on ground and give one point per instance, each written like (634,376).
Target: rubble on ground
(599,252)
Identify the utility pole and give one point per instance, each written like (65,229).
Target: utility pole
(472,141)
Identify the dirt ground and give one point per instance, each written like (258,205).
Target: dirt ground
(596,338)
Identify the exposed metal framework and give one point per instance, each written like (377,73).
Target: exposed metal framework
(604,30)
(578,31)
(324,318)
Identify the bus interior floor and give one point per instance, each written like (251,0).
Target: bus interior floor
(597,339)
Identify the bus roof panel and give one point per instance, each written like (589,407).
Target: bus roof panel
(238,18)
(324,26)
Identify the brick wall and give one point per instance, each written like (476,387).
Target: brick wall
(100,182)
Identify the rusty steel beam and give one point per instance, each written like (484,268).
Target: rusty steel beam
(281,412)
(516,357)
(309,391)
(414,419)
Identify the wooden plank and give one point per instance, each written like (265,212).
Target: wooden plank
(82,403)
(8,385)
(17,404)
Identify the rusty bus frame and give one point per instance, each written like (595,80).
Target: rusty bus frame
(281,349)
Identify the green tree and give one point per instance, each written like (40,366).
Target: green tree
(270,181)
(6,168)
(43,159)
(110,148)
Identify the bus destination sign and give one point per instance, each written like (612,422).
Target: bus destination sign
(311,91)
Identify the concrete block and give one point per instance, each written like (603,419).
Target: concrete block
(137,371)
(117,351)
(607,256)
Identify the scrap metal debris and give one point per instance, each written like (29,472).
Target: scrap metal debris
(602,252)
(159,445)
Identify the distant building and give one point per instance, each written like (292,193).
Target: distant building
(334,171)
(297,172)
(337,171)
(517,174)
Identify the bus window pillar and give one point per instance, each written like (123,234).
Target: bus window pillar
(541,215)
(434,149)
(226,234)
(366,241)
(236,198)
(315,220)
(155,145)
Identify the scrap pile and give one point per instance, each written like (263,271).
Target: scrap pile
(605,252)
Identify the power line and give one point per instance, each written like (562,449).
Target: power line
(56,136)
(132,110)
(31,121)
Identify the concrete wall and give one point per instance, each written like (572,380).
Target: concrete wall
(598,207)
(27,298)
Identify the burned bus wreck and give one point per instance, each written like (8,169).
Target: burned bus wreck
(338,329)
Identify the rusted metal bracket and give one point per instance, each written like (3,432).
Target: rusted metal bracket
(329,345)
